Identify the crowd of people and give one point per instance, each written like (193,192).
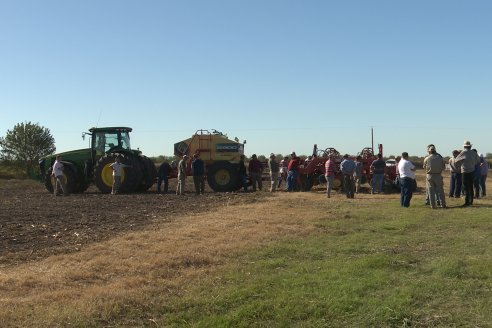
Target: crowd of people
(468,175)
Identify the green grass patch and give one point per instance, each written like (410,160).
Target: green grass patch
(372,267)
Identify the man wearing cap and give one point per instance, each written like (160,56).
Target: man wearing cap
(433,166)
(466,162)
(180,188)
(292,171)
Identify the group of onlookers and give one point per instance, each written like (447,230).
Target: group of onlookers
(468,174)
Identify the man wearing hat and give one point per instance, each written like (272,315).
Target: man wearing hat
(433,166)
(292,171)
(274,169)
(466,161)
(180,188)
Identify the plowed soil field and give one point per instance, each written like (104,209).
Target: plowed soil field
(34,224)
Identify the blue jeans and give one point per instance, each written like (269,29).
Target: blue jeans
(377,182)
(291,180)
(455,185)
(407,188)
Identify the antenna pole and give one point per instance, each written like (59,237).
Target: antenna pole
(372,139)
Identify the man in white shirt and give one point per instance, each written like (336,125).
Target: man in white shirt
(407,179)
(117,167)
(57,172)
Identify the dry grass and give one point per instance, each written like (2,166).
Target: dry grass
(165,259)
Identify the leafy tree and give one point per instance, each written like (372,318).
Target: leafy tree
(25,144)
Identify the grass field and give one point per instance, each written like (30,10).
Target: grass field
(296,260)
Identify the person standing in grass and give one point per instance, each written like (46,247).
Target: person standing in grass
(117,167)
(433,166)
(180,188)
(455,180)
(292,172)
(283,171)
(466,161)
(255,168)
(330,170)
(198,171)
(348,168)
(484,170)
(377,167)
(408,185)
(358,173)
(57,172)
(163,176)
(274,169)
(243,176)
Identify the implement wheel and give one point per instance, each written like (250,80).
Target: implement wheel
(223,177)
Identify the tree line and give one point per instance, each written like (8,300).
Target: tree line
(26,143)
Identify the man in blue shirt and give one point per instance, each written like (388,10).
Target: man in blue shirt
(378,166)
(348,168)
(198,172)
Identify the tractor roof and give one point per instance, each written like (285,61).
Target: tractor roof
(111,128)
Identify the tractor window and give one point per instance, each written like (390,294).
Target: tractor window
(108,141)
(100,143)
(125,140)
(111,141)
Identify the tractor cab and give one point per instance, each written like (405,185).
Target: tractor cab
(109,140)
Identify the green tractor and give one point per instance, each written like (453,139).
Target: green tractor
(85,166)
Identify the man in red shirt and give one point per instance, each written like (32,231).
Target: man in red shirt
(292,171)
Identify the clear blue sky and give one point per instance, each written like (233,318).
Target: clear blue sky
(283,74)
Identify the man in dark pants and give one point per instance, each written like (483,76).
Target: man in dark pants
(466,161)
(348,168)
(407,179)
(455,181)
(198,172)
(243,176)
(163,176)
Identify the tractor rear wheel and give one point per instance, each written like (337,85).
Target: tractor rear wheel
(103,173)
(149,173)
(223,177)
